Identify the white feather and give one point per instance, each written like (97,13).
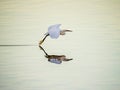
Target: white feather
(54,31)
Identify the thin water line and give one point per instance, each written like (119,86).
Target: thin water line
(17,45)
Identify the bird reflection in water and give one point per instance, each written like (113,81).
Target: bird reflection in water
(57,59)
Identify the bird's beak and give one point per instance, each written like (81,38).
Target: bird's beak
(68,59)
(66,30)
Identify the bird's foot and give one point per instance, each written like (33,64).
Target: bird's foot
(40,43)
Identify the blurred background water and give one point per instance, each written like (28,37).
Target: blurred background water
(94,45)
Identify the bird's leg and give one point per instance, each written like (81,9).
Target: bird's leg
(43,51)
(43,40)
(40,42)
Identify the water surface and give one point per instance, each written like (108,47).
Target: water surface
(94,45)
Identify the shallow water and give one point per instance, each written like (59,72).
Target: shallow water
(94,45)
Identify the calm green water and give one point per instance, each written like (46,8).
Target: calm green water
(94,45)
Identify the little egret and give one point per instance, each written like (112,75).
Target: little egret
(54,32)
(57,59)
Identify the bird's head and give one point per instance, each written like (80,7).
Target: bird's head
(63,32)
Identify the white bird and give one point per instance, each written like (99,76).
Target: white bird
(54,32)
